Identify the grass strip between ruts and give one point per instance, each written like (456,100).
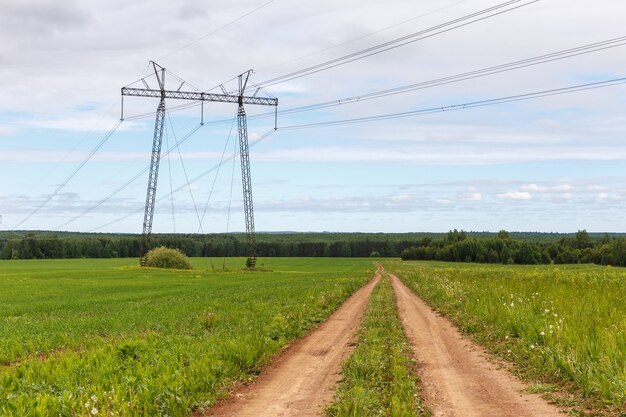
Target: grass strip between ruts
(378,378)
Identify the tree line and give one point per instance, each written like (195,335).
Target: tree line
(52,246)
(454,246)
(580,248)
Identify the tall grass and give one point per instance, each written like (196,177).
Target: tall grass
(377,378)
(563,324)
(103,337)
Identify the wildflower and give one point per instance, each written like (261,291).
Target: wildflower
(94,398)
(94,411)
(543,333)
(532,346)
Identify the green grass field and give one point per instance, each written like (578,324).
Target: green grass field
(104,337)
(563,326)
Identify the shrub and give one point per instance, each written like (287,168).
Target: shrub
(163,257)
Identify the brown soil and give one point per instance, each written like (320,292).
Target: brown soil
(457,379)
(302,379)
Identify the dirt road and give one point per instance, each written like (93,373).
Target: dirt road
(302,380)
(457,379)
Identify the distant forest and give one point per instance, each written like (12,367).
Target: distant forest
(454,246)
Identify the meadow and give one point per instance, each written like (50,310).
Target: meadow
(103,337)
(563,327)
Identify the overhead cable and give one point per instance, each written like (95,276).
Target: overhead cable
(182,187)
(402,41)
(72,175)
(480,103)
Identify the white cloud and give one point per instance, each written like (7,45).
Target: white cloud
(432,155)
(560,188)
(33,157)
(610,197)
(402,197)
(7,130)
(594,188)
(516,195)
(563,188)
(471,195)
(534,188)
(86,123)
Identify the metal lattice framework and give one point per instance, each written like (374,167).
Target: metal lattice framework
(246,177)
(157,140)
(190,95)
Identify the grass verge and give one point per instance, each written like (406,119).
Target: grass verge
(378,378)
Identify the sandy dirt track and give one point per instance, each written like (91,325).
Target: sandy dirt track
(302,379)
(457,380)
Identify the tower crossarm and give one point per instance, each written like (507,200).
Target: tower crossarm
(192,95)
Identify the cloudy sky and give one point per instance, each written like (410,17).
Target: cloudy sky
(555,163)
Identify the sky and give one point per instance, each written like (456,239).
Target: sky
(549,164)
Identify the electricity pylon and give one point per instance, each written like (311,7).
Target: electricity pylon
(157,140)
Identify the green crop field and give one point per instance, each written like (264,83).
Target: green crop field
(562,326)
(104,337)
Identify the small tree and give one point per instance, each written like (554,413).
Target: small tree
(163,257)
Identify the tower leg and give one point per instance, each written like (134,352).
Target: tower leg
(247,186)
(152,181)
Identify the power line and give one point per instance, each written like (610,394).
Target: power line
(205,173)
(542,59)
(206,206)
(182,163)
(480,103)
(474,104)
(483,72)
(401,41)
(127,183)
(72,175)
(358,38)
(169,170)
(492,70)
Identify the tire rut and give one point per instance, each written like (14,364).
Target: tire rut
(301,380)
(457,378)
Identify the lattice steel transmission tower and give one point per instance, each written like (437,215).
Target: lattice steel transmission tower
(240,98)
